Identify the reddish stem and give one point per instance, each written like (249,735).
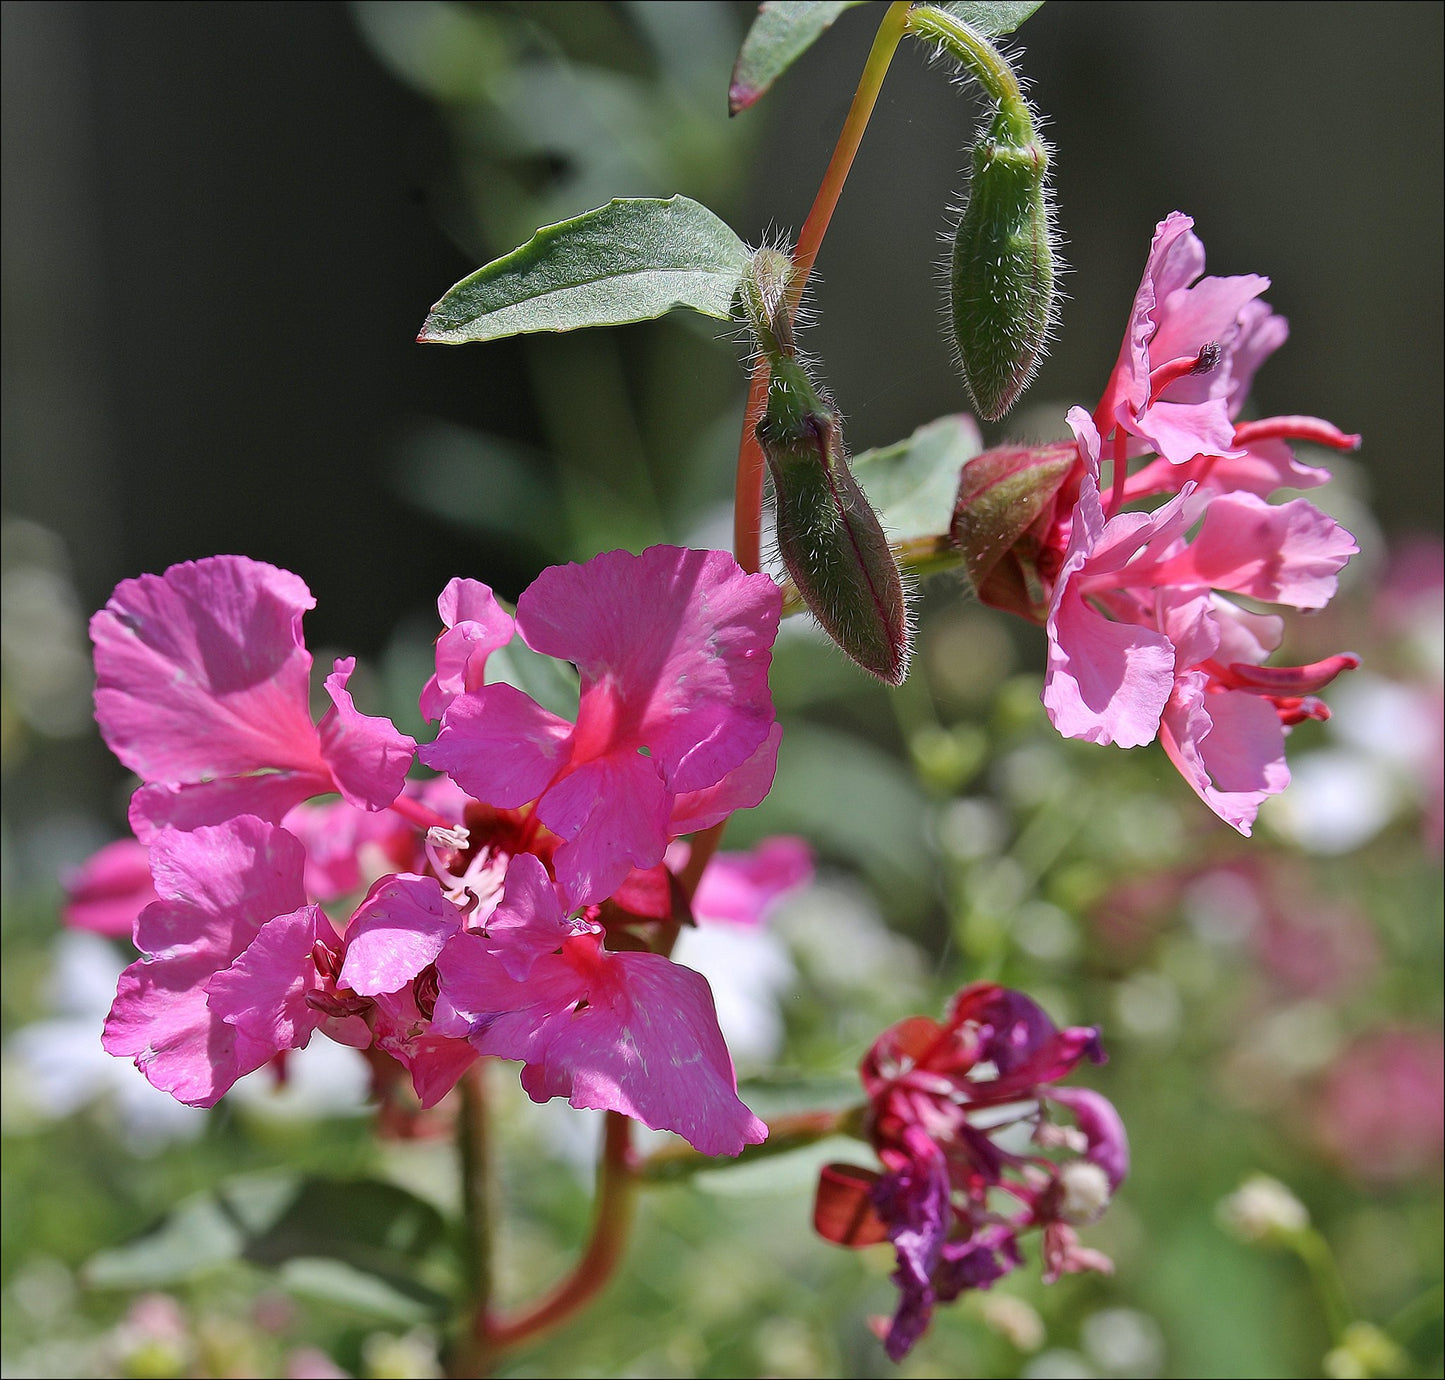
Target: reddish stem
(616,1197)
(748,500)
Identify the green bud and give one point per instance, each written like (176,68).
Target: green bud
(765,301)
(829,537)
(1002,297)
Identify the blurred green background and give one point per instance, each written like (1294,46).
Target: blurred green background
(223,225)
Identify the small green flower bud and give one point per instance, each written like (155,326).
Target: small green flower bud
(1365,1351)
(1002,296)
(1007,500)
(765,301)
(829,537)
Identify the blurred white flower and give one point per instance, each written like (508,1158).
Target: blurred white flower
(60,1066)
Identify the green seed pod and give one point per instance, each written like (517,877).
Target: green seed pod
(1002,295)
(829,537)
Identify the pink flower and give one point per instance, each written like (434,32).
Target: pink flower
(674,725)
(741,888)
(1140,645)
(476,625)
(627,1032)
(202,686)
(939,1098)
(1189,357)
(1190,351)
(203,690)
(232,923)
(110,889)
(1381,1108)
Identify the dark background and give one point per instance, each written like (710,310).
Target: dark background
(222,233)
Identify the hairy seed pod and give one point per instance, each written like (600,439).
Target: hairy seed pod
(829,537)
(1002,296)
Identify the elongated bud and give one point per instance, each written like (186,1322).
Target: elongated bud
(829,536)
(1002,296)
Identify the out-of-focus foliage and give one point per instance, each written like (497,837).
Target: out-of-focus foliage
(1269,1005)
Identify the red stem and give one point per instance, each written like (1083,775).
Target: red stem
(616,1196)
(748,500)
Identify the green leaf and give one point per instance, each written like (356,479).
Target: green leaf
(630,260)
(335,1282)
(783,31)
(390,1249)
(204,1231)
(552,683)
(857,803)
(375,1227)
(913,484)
(992,18)
(481,483)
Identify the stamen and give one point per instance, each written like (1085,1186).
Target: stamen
(449,838)
(326,959)
(455,836)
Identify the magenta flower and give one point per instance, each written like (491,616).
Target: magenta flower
(627,1032)
(944,1104)
(476,625)
(227,959)
(203,691)
(109,889)
(202,685)
(1381,1108)
(741,888)
(673,647)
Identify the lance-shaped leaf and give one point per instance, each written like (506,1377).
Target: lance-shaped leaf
(630,260)
(992,18)
(783,31)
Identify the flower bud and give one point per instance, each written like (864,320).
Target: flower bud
(1263,1209)
(1002,297)
(829,537)
(1007,499)
(765,301)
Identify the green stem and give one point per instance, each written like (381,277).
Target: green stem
(1423,1308)
(1314,1250)
(478,1201)
(748,495)
(976,53)
(785,1133)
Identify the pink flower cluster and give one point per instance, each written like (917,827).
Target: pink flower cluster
(1147,637)
(518,905)
(959,1114)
